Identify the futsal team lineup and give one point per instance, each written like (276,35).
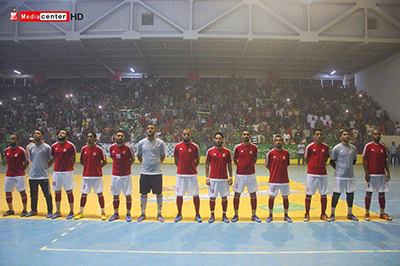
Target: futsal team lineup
(34,162)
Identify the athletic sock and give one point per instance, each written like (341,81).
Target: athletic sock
(253,202)
(212,205)
(286,204)
(159,203)
(101,201)
(116,204)
(128,204)
(179,203)
(70,196)
(271,204)
(367,202)
(324,203)
(382,202)
(83,201)
(143,203)
(236,204)
(224,205)
(308,203)
(196,201)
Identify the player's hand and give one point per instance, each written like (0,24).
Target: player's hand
(230,181)
(367,177)
(387,177)
(207,182)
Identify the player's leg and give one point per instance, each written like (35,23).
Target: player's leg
(350,200)
(196,202)
(20,185)
(285,190)
(212,193)
(382,203)
(157,189)
(127,190)
(24,199)
(193,190)
(308,207)
(224,202)
(236,200)
(144,190)
(116,188)
(70,196)
(310,191)
(212,209)
(58,204)
(34,187)
(82,206)
(44,184)
(180,190)
(128,208)
(368,197)
(85,190)
(253,203)
(271,201)
(335,200)
(10,205)
(324,203)
(102,205)
(323,190)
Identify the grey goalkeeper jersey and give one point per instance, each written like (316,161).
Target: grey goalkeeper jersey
(39,157)
(344,157)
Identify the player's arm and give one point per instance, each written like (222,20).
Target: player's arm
(306,154)
(81,158)
(162,158)
(26,164)
(207,170)
(197,161)
(104,160)
(333,163)
(139,157)
(235,161)
(73,159)
(131,160)
(230,180)
(387,170)
(367,176)
(176,161)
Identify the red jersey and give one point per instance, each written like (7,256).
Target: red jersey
(186,154)
(317,156)
(218,159)
(245,155)
(62,154)
(15,161)
(278,162)
(121,159)
(375,156)
(92,159)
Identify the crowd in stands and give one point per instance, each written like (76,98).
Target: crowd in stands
(292,111)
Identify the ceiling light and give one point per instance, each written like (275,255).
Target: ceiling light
(333,72)
(133,71)
(16,71)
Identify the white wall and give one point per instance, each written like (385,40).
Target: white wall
(382,82)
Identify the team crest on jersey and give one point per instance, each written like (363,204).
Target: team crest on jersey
(284,157)
(314,150)
(85,152)
(251,152)
(65,150)
(56,148)
(123,152)
(372,150)
(180,149)
(381,151)
(242,151)
(274,157)
(16,155)
(190,150)
(223,155)
(323,150)
(7,154)
(214,154)
(94,154)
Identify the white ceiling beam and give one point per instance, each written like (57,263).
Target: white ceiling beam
(51,23)
(279,17)
(95,56)
(220,17)
(339,18)
(102,16)
(191,54)
(387,17)
(161,15)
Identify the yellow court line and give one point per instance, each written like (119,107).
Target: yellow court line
(45,248)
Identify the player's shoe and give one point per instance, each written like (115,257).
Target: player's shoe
(332,218)
(70,216)
(31,213)
(178,218)
(56,215)
(367,217)
(9,212)
(352,217)
(114,217)
(128,218)
(306,217)
(160,218)
(324,217)
(287,218)
(235,218)
(23,213)
(198,219)
(78,216)
(212,219)
(269,219)
(49,215)
(103,216)
(386,217)
(225,219)
(141,218)
(255,219)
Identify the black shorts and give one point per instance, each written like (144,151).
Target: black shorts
(150,182)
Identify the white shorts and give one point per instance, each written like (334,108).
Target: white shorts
(377,183)
(63,179)
(95,183)
(274,188)
(314,182)
(187,184)
(218,186)
(12,182)
(119,183)
(242,181)
(344,185)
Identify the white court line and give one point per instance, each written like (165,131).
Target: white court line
(63,234)
(45,248)
(54,240)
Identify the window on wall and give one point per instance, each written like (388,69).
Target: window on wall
(147,19)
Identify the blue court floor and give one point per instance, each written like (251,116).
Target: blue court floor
(62,242)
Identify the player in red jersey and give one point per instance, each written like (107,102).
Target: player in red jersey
(375,162)
(245,157)
(64,153)
(187,158)
(219,160)
(316,156)
(123,157)
(277,162)
(93,159)
(17,162)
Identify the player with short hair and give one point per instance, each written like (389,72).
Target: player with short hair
(187,158)
(375,162)
(39,154)
(64,153)
(277,162)
(343,157)
(245,157)
(218,158)
(316,156)
(93,159)
(123,157)
(151,153)
(17,162)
